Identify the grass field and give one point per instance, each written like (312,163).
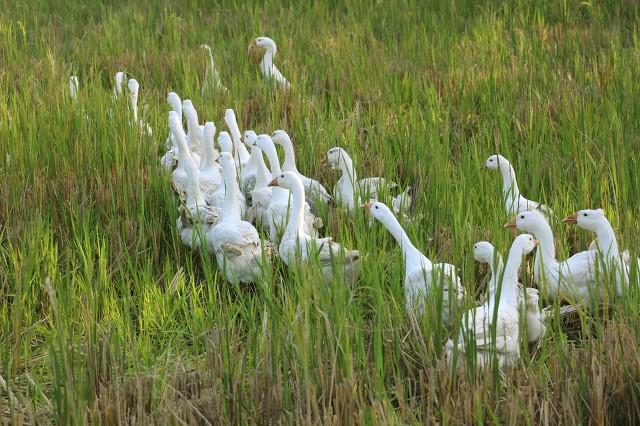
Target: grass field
(106,318)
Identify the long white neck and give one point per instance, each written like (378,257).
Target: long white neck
(241,155)
(509,183)
(277,193)
(346,167)
(289,164)
(607,239)
(409,251)
(496,266)
(262,172)
(231,211)
(546,252)
(296,213)
(267,60)
(134,105)
(509,291)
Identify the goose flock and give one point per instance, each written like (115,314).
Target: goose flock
(241,204)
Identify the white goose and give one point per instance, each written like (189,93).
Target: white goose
(611,260)
(117,89)
(196,217)
(211,76)
(170,159)
(268,49)
(514,202)
(241,155)
(210,176)
(134,89)
(254,166)
(570,279)
(313,189)
(498,315)
(195,134)
(485,252)
(260,190)
(298,247)
(236,244)
(74,87)
(422,277)
(349,191)
(278,211)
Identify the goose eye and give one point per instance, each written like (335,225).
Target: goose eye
(522,216)
(584,214)
(491,160)
(376,207)
(282,176)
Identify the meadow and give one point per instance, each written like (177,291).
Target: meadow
(106,318)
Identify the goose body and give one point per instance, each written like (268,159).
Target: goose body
(297,246)
(254,167)
(498,314)
(267,67)
(514,202)
(423,278)
(235,242)
(572,279)
(314,191)
(348,191)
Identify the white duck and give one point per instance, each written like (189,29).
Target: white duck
(134,89)
(210,176)
(195,134)
(236,243)
(278,211)
(348,191)
(422,277)
(117,89)
(607,245)
(254,166)
(241,155)
(267,67)
(196,218)
(217,198)
(498,315)
(570,279)
(514,202)
(485,252)
(298,247)
(313,189)
(260,190)
(211,76)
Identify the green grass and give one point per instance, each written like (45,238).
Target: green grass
(105,317)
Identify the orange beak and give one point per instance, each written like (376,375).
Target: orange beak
(274,182)
(536,243)
(366,206)
(571,219)
(511,224)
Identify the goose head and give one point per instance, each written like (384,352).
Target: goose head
(250,138)
(174,101)
(119,81)
(377,209)
(280,137)
(287,180)
(133,86)
(496,162)
(259,46)
(484,252)
(224,140)
(586,219)
(529,221)
(334,155)
(523,245)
